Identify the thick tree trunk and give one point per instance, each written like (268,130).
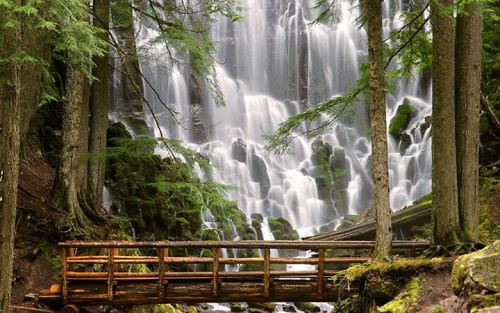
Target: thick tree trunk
(380,171)
(9,160)
(444,164)
(99,112)
(65,187)
(84,142)
(467,110)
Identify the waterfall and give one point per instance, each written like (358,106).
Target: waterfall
(271,65)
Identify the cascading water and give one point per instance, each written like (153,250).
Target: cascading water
(270,65)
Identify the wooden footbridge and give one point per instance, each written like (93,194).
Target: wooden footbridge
(112,272)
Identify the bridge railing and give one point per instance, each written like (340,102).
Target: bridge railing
(111,263)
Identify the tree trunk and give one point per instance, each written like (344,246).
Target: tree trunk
(84,142)
(9,160)
(65,187)
(99,112)
(380,171)
(467,110)
(444,164)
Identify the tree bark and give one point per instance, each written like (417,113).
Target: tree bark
(10,122)
(84,142)
(380,171)
(467,109)
(99,112)
(444,162)
(65,187)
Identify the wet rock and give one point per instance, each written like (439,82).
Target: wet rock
(258,172)
(426,124)
(283,230)
(210,234)
(266,306)
(405,142)
(404,113)
(257,221)
(307,307)
(199,130)
(237,307)
(239,150)
(288,308)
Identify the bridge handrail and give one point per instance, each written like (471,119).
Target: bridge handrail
(258,244)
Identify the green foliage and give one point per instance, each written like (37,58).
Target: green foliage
(186,28)
(328,112)
(65,25)
(162,197)
(411,43)
(491,53)
(54,261)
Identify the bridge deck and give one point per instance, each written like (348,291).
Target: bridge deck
(111,272)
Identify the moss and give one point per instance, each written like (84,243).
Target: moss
(463,265)
(401,119)
(359,271)
(282,229)
(404,300)
(156,308)
(486,301)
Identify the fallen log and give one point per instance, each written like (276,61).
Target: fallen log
(402,222)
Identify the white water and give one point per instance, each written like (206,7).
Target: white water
(273,64)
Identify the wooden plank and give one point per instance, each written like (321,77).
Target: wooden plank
(321,272)
(215,270)
(267,270)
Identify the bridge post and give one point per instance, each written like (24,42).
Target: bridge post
(215,271)
(321,271)
(111,268)
(267,270)
(64,269)
(161,270)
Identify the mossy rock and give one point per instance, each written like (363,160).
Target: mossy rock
(237,307)
(481,303)
(266,306)
(480,269)
(351,304)
(405,300)
(307,307)
(282,229)
(210,234)
(404,113)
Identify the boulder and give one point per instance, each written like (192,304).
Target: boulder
(239,150)
(404,113)
(307,307)
(258,172)
(479,270)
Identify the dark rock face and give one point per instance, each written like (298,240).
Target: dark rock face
(258,172)
(199,132)
(257,221)
(198,128)
(332,177)
(239,150)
